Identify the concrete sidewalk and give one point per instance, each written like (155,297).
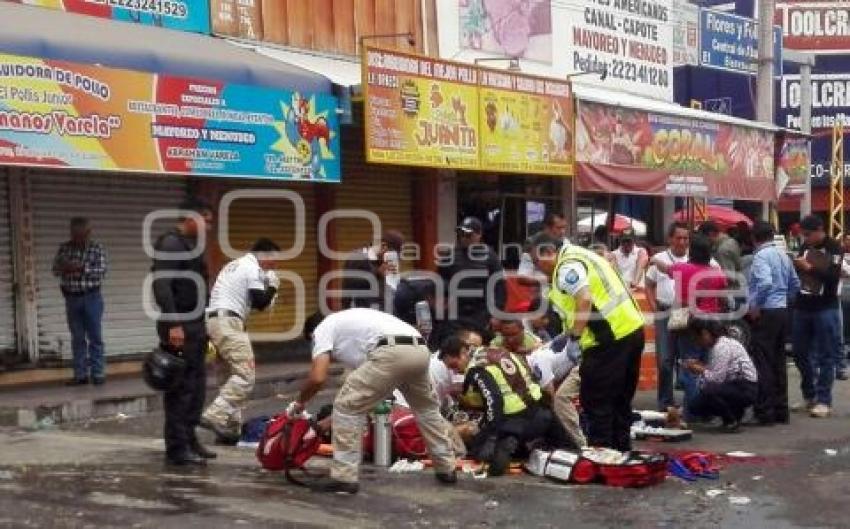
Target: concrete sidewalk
(34,407)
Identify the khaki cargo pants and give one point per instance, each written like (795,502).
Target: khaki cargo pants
(399,366)
(566,411)
(235,372)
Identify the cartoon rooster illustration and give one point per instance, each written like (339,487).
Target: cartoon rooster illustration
(304,132)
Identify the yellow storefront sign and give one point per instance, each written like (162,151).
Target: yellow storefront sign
(428,112)
(526,124)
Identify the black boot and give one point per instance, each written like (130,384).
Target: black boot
(185,458)
(505,449)
(446,478)
(202,450)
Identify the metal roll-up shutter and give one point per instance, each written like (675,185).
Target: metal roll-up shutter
(382,189)
(252,218)
(7,290)
(117,206)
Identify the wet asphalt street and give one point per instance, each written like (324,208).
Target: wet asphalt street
(111,474)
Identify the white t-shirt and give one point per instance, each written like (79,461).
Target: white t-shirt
(350,335)
(442,380)
(232,286)
(627,264)
(550,366)
(665,290)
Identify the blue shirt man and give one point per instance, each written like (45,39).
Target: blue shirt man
(772,281)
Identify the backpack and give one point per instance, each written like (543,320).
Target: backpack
(407,439)
(287,444)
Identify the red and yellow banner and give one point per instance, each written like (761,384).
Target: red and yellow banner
(434,113)
(622,150)
(62,114)
(420,111)
(526,124)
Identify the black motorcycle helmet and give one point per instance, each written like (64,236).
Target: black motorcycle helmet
(163,370)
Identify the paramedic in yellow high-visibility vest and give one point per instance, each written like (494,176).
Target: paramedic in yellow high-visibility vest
(598,311)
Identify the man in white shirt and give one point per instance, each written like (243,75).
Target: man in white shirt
(661,294)
(385,353)
(631,260)
(445,365)
(245,284)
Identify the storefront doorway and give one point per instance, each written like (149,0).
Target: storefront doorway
(511,207)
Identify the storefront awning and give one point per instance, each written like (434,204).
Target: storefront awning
(342,71)
(626,100)
(628,144)
(35,32)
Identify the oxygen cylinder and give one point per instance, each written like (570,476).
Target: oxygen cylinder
(383,435)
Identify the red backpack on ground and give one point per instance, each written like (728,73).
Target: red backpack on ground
(408,442)
(287,444)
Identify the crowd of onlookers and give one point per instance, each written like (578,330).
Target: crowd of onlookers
(766,291)
(745,294)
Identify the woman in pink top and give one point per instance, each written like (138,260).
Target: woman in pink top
(698,285)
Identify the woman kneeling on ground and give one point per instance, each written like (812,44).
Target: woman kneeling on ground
(726,384)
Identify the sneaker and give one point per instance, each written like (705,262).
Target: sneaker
(841,374)
(820,411)
(805,406)
(334,486)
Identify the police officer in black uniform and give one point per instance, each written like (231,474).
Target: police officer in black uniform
(476,263)
(181,292)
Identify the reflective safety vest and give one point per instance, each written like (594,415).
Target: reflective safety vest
(516,385)
(614,313)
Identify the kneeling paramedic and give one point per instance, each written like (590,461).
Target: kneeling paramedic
(385,353)
(243,284)
(600,314)
(501,384)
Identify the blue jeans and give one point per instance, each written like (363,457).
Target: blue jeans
(665,361)
(85,314)
(688,350)
(816,338)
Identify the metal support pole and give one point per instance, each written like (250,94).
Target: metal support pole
(806,128)
(764,81)
(836,192)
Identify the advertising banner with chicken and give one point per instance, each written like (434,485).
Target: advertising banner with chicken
(420,111)
(62,114)
(434,113)
(620,150)
(526,124)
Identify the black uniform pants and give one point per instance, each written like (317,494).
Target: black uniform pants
(609,379)
(183,405)
(728,400)
(767,350)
